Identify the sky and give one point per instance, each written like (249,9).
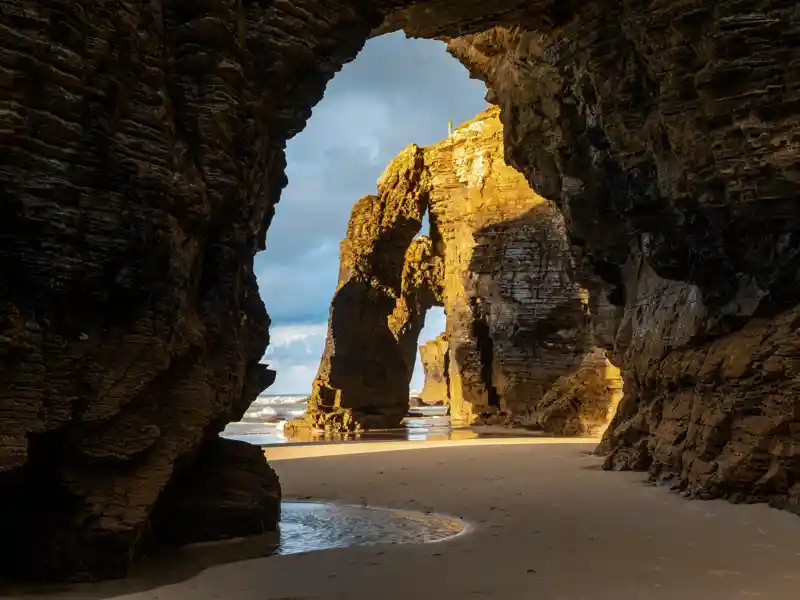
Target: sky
(397,92)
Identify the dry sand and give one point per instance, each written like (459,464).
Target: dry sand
(547,524)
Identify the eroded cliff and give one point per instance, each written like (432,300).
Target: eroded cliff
(517,320)
(517,317)
(668,137)
(387,282)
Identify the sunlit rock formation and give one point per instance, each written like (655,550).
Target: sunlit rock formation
(435,358)
(580,403)
(141,159)
(517,320)
(387,282)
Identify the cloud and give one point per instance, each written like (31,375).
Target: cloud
(395,93)
(294,352)
(300,292)
(290,335)
(292,378)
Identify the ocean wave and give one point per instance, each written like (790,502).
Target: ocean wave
(278,400)
(274,408)
(262,412)
(243,428)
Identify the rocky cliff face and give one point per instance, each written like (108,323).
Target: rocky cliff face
(131,327)
(668,137)
(517,320)
(435,358)
(387,282)
(141,156)
(581,402)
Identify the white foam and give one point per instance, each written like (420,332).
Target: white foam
(261,412)
(278,400)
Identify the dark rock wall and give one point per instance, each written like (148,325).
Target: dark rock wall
(230,492)
(133,169)
(667,134)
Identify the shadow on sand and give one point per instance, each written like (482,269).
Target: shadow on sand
(305,527)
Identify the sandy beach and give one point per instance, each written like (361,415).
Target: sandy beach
(545,523)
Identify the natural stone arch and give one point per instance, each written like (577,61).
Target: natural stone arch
(388,279)
(521,344)
(142,155)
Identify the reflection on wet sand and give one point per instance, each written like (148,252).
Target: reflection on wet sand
(263,425)
(309,526)
(416,429)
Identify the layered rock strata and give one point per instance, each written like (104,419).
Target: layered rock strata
(435,358)
(668,136)
(387,282)
(516,318)
(580,403)
(141,158)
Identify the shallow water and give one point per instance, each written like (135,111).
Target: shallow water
(415,429)
(305,527)
(263,425)
(309,526)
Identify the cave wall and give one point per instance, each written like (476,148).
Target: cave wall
(388,279)
(667,135)
(131,326)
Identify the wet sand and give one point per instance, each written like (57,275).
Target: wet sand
(546,523)
(415,429)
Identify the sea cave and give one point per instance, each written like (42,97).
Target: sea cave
(615,241)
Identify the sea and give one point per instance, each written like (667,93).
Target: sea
(263,423)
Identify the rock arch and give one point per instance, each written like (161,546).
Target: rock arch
(141,156)
(518,321)
(388,279)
